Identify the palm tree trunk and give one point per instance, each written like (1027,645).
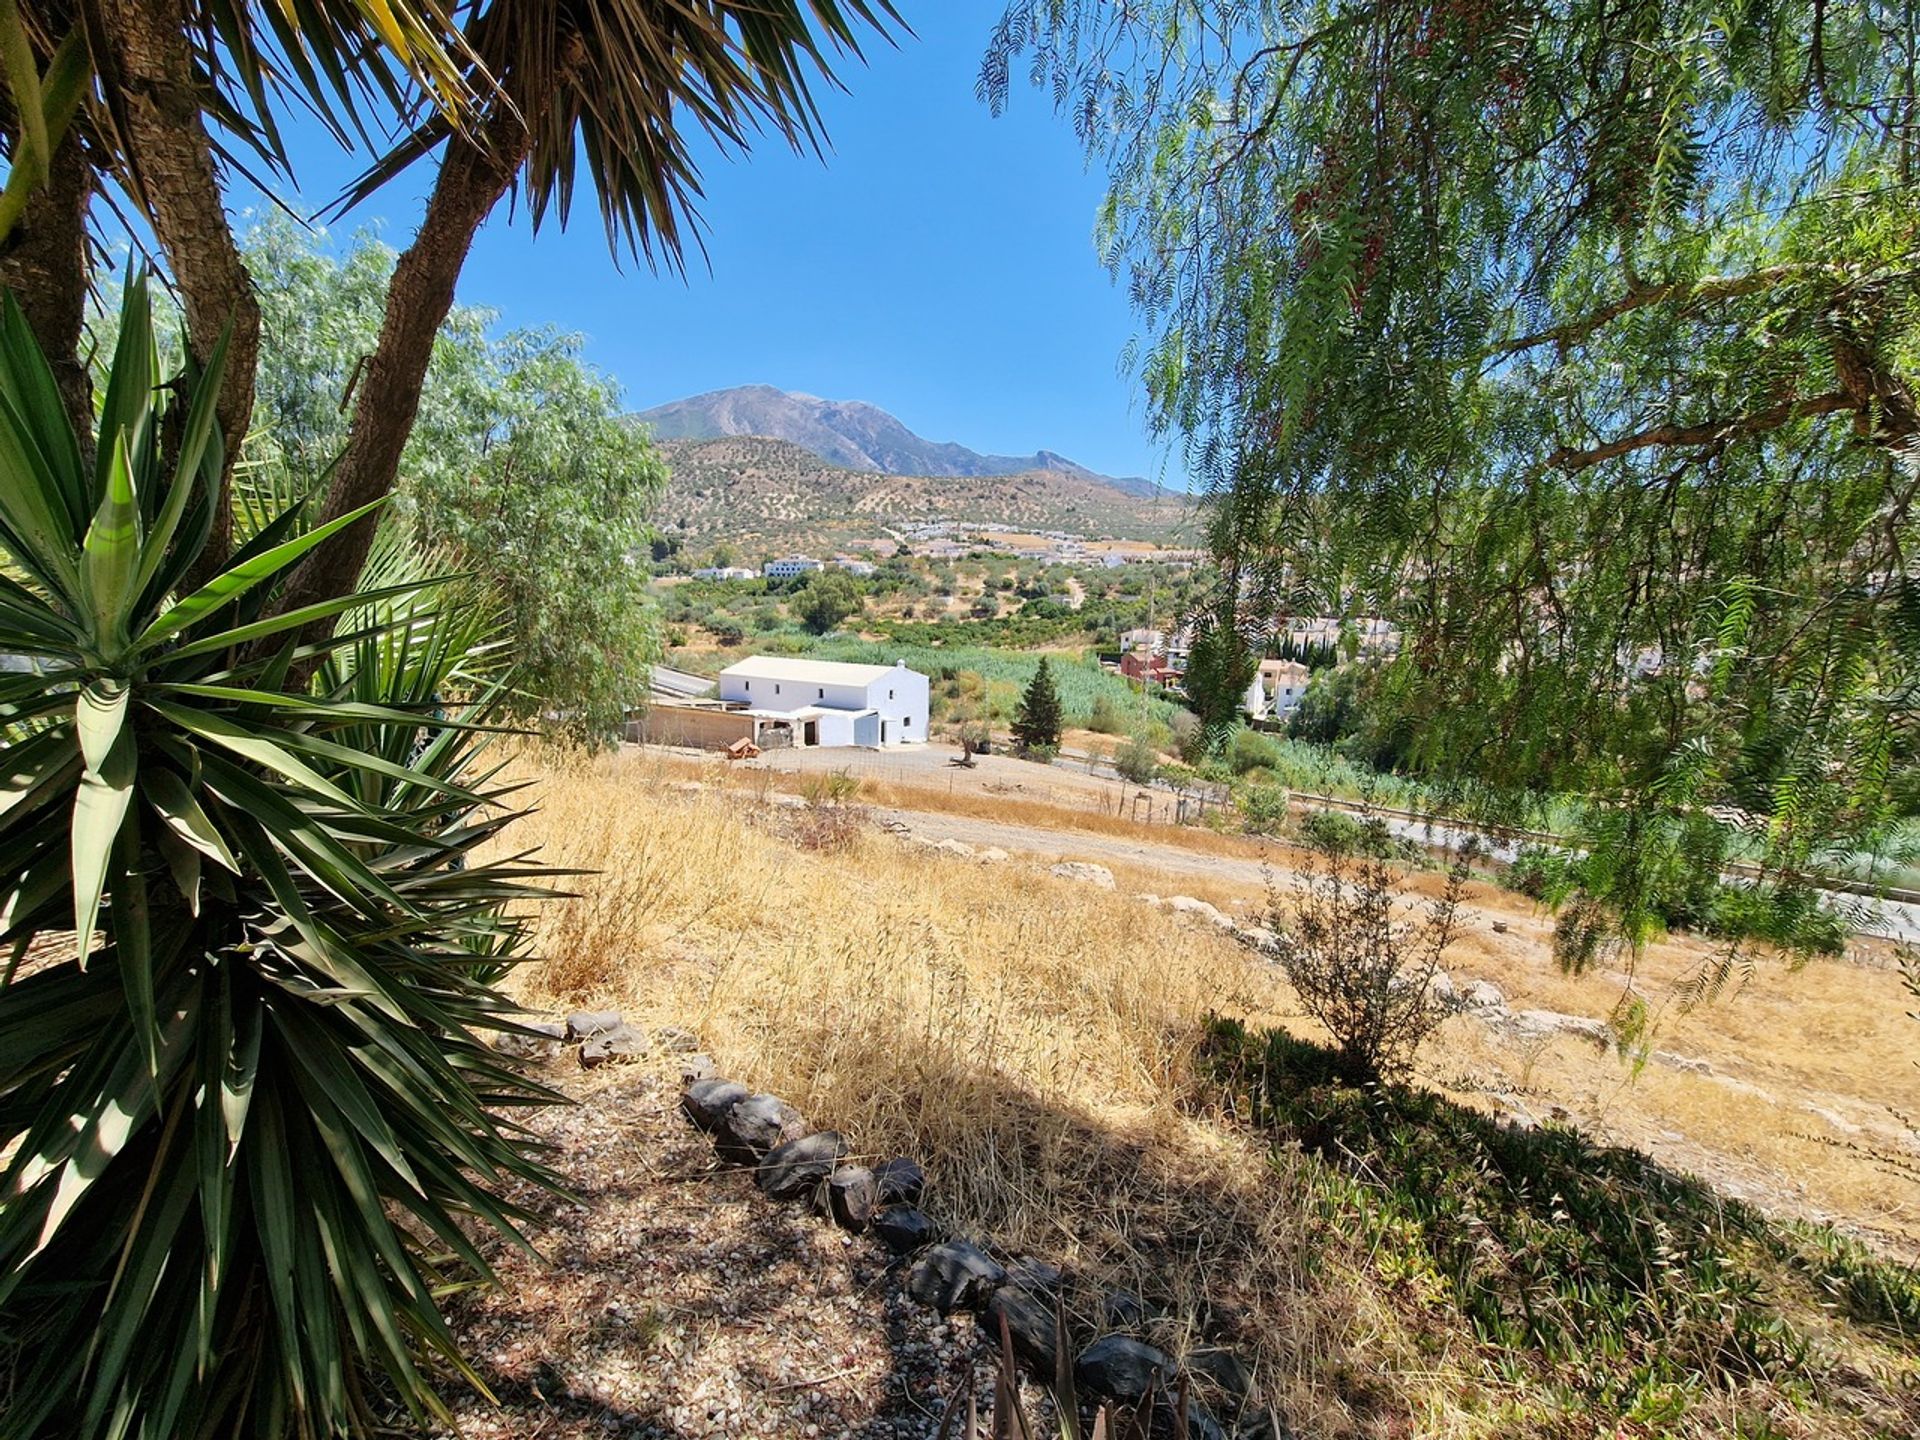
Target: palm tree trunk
(45,266)
(473,178)
(171,166)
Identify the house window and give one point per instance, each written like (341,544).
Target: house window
(823,692)
(776,689)
(889,694)
(749,684)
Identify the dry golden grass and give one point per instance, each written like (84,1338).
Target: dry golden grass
(1024,1035)
(1027,1037)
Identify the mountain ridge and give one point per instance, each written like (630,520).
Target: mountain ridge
(780,495)
(854,435)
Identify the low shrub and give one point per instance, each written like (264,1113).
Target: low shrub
(1362,965)
(1263,808)
(1136,760)
(1332,832)
(1105,717)
(1250,750)
(1639,1286)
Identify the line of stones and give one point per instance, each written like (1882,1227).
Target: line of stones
(792,1164)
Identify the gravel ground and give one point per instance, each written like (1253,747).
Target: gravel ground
(676,1301)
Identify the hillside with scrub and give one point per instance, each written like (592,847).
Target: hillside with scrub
(1413,934)
(773,494)
(1136,1097)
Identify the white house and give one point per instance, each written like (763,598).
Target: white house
(791,566)
(1277,689)
(827,702)
(724,572)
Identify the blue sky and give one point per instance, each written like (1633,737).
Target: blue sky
(940,264)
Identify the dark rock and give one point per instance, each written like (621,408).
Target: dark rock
(793,1170)
(707,1102)
(1036,1277)
(954,1276)
(585,1024)
(1223,1371)
(1030,1326)
(676,1040)
(903,1229)
(1119,1367)
(619,1044)
(756,1125)
(1124,1310)
(1265,1425)
(542,1043)
(900,1181)
(852,1197)
(697,1067)
(1200,1423)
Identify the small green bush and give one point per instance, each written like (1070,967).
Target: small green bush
(1263,809)
(1105,717)
(1250,750)
(1332,831)
(1136,760)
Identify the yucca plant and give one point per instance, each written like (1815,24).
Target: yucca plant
(246,1122)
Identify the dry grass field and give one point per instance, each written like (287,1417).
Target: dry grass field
(1041,1044)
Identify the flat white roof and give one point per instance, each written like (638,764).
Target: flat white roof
(807,672)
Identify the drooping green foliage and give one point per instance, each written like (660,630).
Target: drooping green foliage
(522,469)
(1578,342)
(1037,722)
(248,1121)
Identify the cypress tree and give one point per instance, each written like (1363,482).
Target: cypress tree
(1038,721)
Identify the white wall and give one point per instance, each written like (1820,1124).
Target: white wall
(765,694)
(901,696)
(835,729)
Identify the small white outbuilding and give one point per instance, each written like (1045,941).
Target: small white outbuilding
(829,702)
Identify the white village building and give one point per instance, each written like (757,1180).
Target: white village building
(790,566)
(1276,689)
(828,702)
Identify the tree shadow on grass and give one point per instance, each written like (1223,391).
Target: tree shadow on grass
(1375,1255)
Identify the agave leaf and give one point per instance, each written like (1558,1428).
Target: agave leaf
(242,576)
(184,816)
(127,1310)
(132,927)
(271,1201)
(80,1151)
(291,620)
(133,377)
(36,881)
(254,746)
(33,526)
(183,864)
(111,553)
(99,808)
(199,434)
(34,770)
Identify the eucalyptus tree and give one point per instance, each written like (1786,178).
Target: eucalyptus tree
(1578,341)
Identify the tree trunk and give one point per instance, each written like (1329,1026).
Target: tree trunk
(172,170)
(45,266)
(473,177)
